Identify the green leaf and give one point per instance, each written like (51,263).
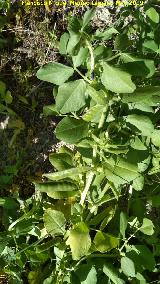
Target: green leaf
(147,227)
(141,122)
(140,278)
(105,242)
(61,161)
(8,97)
(141,107)
(97,96)
(112,274)
(79,240)
(71,96)
(67,173)
(138,183)
(87,274)
(154,170)
(127,266)
(156,34)
(102,52)
(87,17)
(121,42)
(110,215)
(81,57)
(154,201)
(120,171)
(153,15)
(2,88)
(123,224)
(8,203)
(49,187)
(73,41)
(116,80)
(137,144)
(155,137)
(106,34)
(55,73)
(54,222)
(48,280)
(106,213)
(57,190)
(63,43)
(74,24)
(138,66)
(94,114)
(142,257)
(151,45)
(50,110)
(147,95)
(71,130)
(24,227)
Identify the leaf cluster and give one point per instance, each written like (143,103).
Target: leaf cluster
(91,218)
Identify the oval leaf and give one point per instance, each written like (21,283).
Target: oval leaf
(127,266)
(54,222)
(61,161)
(112,274)
(156,138)
(79,240)
(71,130)
(71,96)
(153,15)
(55,73)
(105,242)
(57,190)
(143,123)
(117,80)
(147,227)
(67,173)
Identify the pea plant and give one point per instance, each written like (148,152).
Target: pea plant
(95,218)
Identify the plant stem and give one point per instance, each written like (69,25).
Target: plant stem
(102,119)
(33,244)
(127,241)
(98,255)
(84,77)
(129,238)
(85,191)
(113,57)
(91,54)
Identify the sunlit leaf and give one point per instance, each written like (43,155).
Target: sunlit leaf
(54,222)
(116,80)
(55,73)
(79,240)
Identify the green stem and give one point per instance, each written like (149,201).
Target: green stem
(105,189)
(100,203)
(97,255)
(34,244)
(113,57)
(85,191)
(103,116)
(126,241)
(84,77)
(91,54)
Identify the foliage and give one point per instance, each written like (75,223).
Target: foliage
(91,220)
